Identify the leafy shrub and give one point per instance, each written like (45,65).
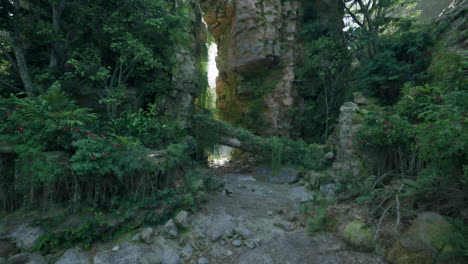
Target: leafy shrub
(420,141)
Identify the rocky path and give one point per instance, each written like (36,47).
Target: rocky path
(255,222)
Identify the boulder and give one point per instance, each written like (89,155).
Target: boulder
(25,236)
(74,256)
(7,249)
(182,219)
(146,234)
(421,243)
(27,258)
(358,235)
(169,229)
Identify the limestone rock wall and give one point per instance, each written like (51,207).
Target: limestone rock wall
(257,43)
(186,73)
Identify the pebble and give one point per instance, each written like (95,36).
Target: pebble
(203,261)
(116,248)
(237,243)
(271,213)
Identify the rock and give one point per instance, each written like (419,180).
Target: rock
(251,244)
(347,161)
(27,258)
(298,247)
(182,220)
(7,249)
(243,232)
(25,236)
(187,252)
(136,237)
(169,256)
(130,254)
(146,234)
(360,99)
(74,256)
(169,229)
(216,235)
(203,261)
(301,194)
(421,242)
(286,226)
(270,213)
(329,189)
(237,243)
(329,155)
(172,234)
(285,175)
(116,248)
(357,235)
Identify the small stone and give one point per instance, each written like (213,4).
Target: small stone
(329,156)
(187,252)
(279,211)
(169,229)
(270,213)
(173,233)
(136,237)
(288,227)
(329,188)
(182,220)
(251,244)
(243,232)
(228,234)
(203,261)
(146,235)
(215,236)
(116,248)
(237,243)
(229,253)
(292,216)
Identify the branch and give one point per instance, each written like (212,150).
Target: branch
(11,86)
(353,16)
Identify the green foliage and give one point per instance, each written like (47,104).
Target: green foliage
(92,230)
(400,57)
(457,239)
(420,141)
(321,78)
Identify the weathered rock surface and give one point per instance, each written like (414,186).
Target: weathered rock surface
(347,162)
(147,234)
(27,258)
(137,254)
(74,256)
(25,236)
(272,238)
(255,36)
(359,236)
(182,220)
(421,243)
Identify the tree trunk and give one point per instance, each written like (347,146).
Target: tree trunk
(23,70)
(55,54)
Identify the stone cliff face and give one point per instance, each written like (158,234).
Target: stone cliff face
(258,52)
(186,81)
(257,46)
